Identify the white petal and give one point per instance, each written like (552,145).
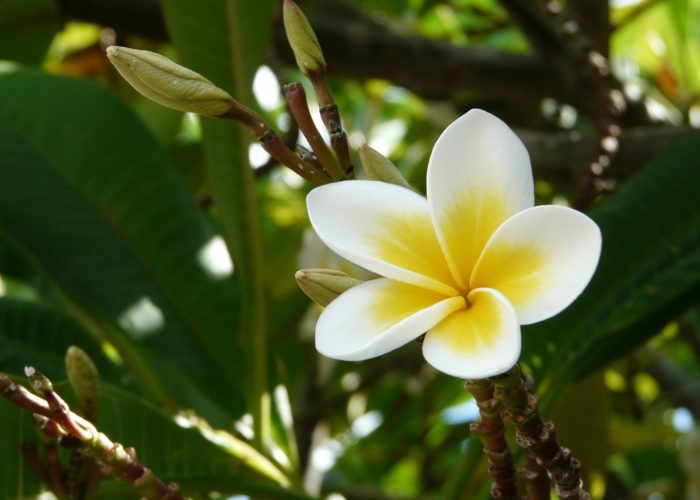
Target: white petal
(541,260)
(479,175)
(383,228)
(378,316)
(478,342)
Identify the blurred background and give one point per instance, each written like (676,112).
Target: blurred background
(605,96)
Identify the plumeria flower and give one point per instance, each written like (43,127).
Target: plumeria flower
(468,265)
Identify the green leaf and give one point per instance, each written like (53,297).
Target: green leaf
(225,41)
(89,198)
(27,28)
(173,452)
(649,271)
(39,335)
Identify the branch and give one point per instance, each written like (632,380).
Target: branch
(358,46)
(678,386)
(553,154)
(537,436)
(53,413)
(593,16)
(491,430)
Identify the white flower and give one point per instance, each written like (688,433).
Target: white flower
(468,265)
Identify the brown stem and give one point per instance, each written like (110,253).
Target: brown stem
(309,157)
(331,118)
(272,143)
(537,437)
(536,480)
(277,149)
(491,430)
(339,142)
(55,417)
(299,107)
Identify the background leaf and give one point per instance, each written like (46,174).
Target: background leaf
(226,41)
(37,334)
(649,271)
(116,233)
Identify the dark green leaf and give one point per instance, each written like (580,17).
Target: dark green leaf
(649,270)
(39,335)
(89,197)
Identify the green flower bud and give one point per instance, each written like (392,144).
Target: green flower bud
(379,168)
(168,83)
(324,285)
(302,39)
(83,378)
(39,382)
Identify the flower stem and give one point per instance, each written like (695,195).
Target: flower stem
(536,480)
(299,107)
(275,146)
(491,430)
(331,119)
(536,436)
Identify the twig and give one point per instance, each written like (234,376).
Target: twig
(272,143)
(491,430)
(537,437)
(299,107)
(331,118)
(536,480)
(55,415)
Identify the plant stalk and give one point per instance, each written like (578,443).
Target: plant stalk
(536,436)
(491,430)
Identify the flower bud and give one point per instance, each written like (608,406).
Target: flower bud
(324,285)
(168,83)
(379,168)
(83,378)
(39,382)
(302,39)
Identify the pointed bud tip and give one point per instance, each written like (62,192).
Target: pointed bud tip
(302,39)
(379,168)
(324,285)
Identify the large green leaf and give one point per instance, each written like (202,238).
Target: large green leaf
(39,335)
(226,41)
(175,453)
(89,197)
(649,271)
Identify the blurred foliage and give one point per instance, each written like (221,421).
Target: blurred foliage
(115,216)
